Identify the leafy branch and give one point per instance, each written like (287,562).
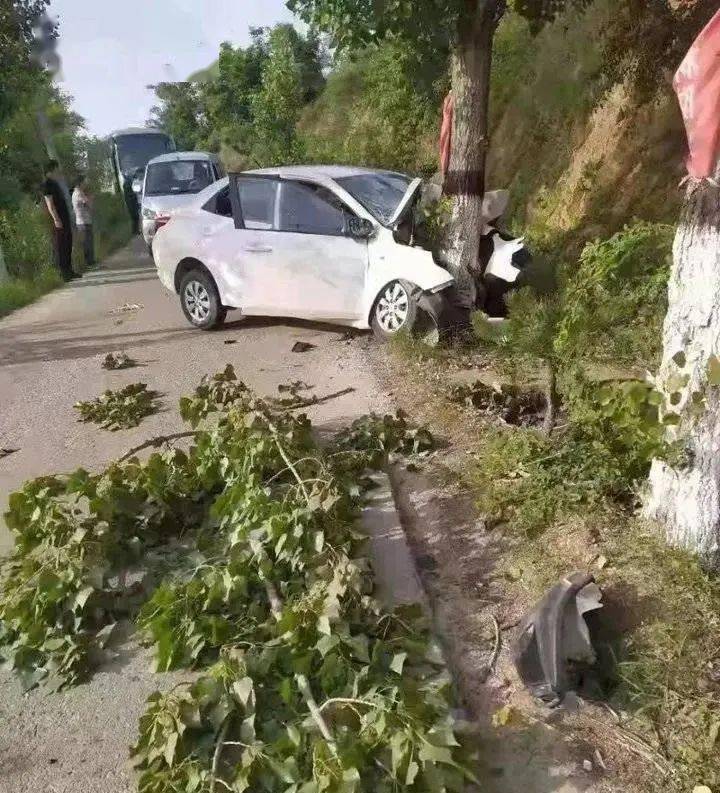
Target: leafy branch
(121,409)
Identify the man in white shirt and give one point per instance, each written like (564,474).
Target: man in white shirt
(82,202)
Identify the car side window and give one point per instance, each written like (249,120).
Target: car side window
(220,204)
(311,209)
(257,202)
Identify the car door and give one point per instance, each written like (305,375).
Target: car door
(240,251)
(323,268)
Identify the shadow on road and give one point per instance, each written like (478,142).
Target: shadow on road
(63,340)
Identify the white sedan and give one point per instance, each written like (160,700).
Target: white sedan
(328,243)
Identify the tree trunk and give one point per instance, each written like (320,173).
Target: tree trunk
(686,499)
(465,180)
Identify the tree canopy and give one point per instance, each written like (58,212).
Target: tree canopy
(247,89)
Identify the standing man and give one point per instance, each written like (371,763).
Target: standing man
(59,212)
(82,202)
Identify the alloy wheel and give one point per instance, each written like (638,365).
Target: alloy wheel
(392,308)
(197,301)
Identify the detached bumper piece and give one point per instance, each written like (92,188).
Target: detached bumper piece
(442,308)
(554,638)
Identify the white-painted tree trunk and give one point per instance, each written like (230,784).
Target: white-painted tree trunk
(686,500)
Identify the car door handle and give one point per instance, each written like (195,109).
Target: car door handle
(257,248)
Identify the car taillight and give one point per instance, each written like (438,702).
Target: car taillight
(161,220)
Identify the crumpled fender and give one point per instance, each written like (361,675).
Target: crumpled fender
(554,633)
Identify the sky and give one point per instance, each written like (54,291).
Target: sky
(112,49)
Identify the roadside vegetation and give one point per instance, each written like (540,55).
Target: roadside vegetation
(568,496)
(25,229)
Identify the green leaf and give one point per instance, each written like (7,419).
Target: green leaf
(247,729)
(244,690)
(435,754)
(170,747)
(398,750)
(327,643)
(398,662)
(82,597)
(104,635)
(713,369)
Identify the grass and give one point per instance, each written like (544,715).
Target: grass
(564,504)
(26,245)
(18,292)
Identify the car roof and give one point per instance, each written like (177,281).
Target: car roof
(138,131)
(175,156)
(318,171)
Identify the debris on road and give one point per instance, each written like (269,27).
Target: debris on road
(6,452)
(118,360)
(120,409)
(230,341)
(598,760)
(555,635)
(127,307)
(302,346)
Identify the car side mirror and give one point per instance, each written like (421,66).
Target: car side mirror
(360,228)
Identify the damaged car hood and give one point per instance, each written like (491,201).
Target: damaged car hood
(406,203)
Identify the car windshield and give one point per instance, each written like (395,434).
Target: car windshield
(181,176)
(379,193)
(134,151)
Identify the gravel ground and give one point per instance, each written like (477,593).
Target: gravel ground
(50,354)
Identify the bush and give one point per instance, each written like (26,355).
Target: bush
(616,299)
(25,239)
(111,224)
(612,436)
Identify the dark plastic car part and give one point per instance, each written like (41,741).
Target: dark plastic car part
(555,635)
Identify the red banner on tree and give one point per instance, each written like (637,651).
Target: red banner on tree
(446,134)
(697,85)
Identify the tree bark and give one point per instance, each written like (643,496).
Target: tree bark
(686,499)
(465,179)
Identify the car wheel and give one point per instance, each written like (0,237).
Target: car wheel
(200,300)
(396,310)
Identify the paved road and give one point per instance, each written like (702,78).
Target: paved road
(50,356)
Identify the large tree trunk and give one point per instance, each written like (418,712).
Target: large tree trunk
(465,180)
(686,499)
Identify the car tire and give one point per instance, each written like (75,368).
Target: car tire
(200,300)
(397,310)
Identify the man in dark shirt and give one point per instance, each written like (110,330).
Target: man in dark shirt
(59,211)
